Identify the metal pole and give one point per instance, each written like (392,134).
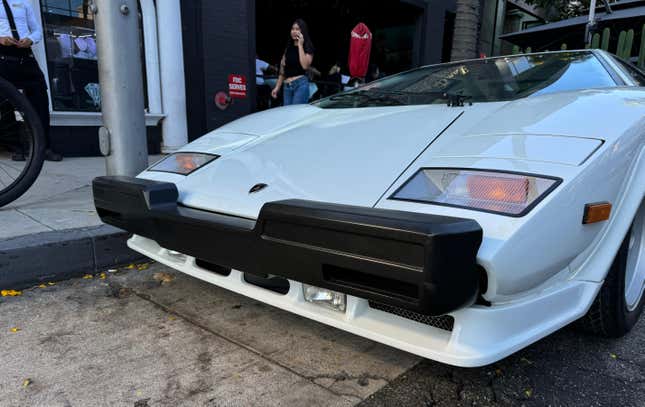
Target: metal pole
(174,128)
(123,137)
(589,31)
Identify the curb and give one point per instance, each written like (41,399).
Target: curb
(54,256)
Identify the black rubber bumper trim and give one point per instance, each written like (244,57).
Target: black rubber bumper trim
(424,263)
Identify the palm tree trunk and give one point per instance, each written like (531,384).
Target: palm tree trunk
(464,41)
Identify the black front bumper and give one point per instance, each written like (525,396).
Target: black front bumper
(424,263)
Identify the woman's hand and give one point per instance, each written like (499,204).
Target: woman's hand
(274,92)
(301,40)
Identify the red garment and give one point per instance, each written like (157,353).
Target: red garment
(360,46)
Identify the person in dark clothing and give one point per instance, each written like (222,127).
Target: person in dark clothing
(19,30)
(373,73)
(333,81)
(296,60)
(263,98)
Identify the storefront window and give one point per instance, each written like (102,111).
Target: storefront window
(72,55)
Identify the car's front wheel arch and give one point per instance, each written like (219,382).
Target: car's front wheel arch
(621,299)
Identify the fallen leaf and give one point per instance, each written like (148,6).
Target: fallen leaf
(525,360)
(42,286)
(163,277)
(172,318)
(131,267)
(102,276)
(10,293)
(613,356)
(143,266)
(88,277)
(15,329)
(528,392)
(26,383)
(51,283)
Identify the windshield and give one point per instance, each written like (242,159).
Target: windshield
(483,80)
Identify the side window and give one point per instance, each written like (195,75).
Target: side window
(637,75)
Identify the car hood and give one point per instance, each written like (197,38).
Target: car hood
(353,156)
(348,156)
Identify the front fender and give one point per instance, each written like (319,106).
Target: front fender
(593,263)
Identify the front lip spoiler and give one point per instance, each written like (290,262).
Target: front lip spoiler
(424,263)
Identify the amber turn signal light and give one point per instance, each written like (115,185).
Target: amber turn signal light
(596,212)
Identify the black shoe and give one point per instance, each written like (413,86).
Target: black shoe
(52,156)
(18,157)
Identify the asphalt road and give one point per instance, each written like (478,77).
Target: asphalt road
(565,369)
(138,337)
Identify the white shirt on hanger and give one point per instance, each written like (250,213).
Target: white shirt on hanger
(65,42)
(27,23)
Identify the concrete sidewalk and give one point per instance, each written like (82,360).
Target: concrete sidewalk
(55,223)
(156,337)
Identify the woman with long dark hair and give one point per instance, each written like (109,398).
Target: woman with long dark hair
(296,60)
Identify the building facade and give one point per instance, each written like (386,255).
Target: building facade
(190,49)
(223,38)
(68,57)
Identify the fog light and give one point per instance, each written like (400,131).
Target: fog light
(327,298)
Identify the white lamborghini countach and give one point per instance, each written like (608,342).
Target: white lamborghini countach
(459,211)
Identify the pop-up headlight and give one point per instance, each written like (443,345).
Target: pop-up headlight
(183,163)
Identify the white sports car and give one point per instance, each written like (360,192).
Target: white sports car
(459,211)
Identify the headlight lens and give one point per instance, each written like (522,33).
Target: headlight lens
(183,163)
(490,191)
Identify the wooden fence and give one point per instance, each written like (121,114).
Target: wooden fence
(624,47)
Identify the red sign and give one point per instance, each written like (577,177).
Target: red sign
(237,86)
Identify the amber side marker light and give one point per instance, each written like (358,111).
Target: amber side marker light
(596,212)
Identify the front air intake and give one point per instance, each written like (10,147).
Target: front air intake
(445,322)
(212,267)
(370,282)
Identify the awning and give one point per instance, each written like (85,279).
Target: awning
(572,29)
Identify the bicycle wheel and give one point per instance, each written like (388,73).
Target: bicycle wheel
(21,132)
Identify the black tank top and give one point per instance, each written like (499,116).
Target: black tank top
(292,65)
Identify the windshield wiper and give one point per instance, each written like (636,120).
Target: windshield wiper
(456,99)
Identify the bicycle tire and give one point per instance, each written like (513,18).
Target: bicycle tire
(36,155)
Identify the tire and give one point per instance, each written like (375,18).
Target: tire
(610,316)
(34,132)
